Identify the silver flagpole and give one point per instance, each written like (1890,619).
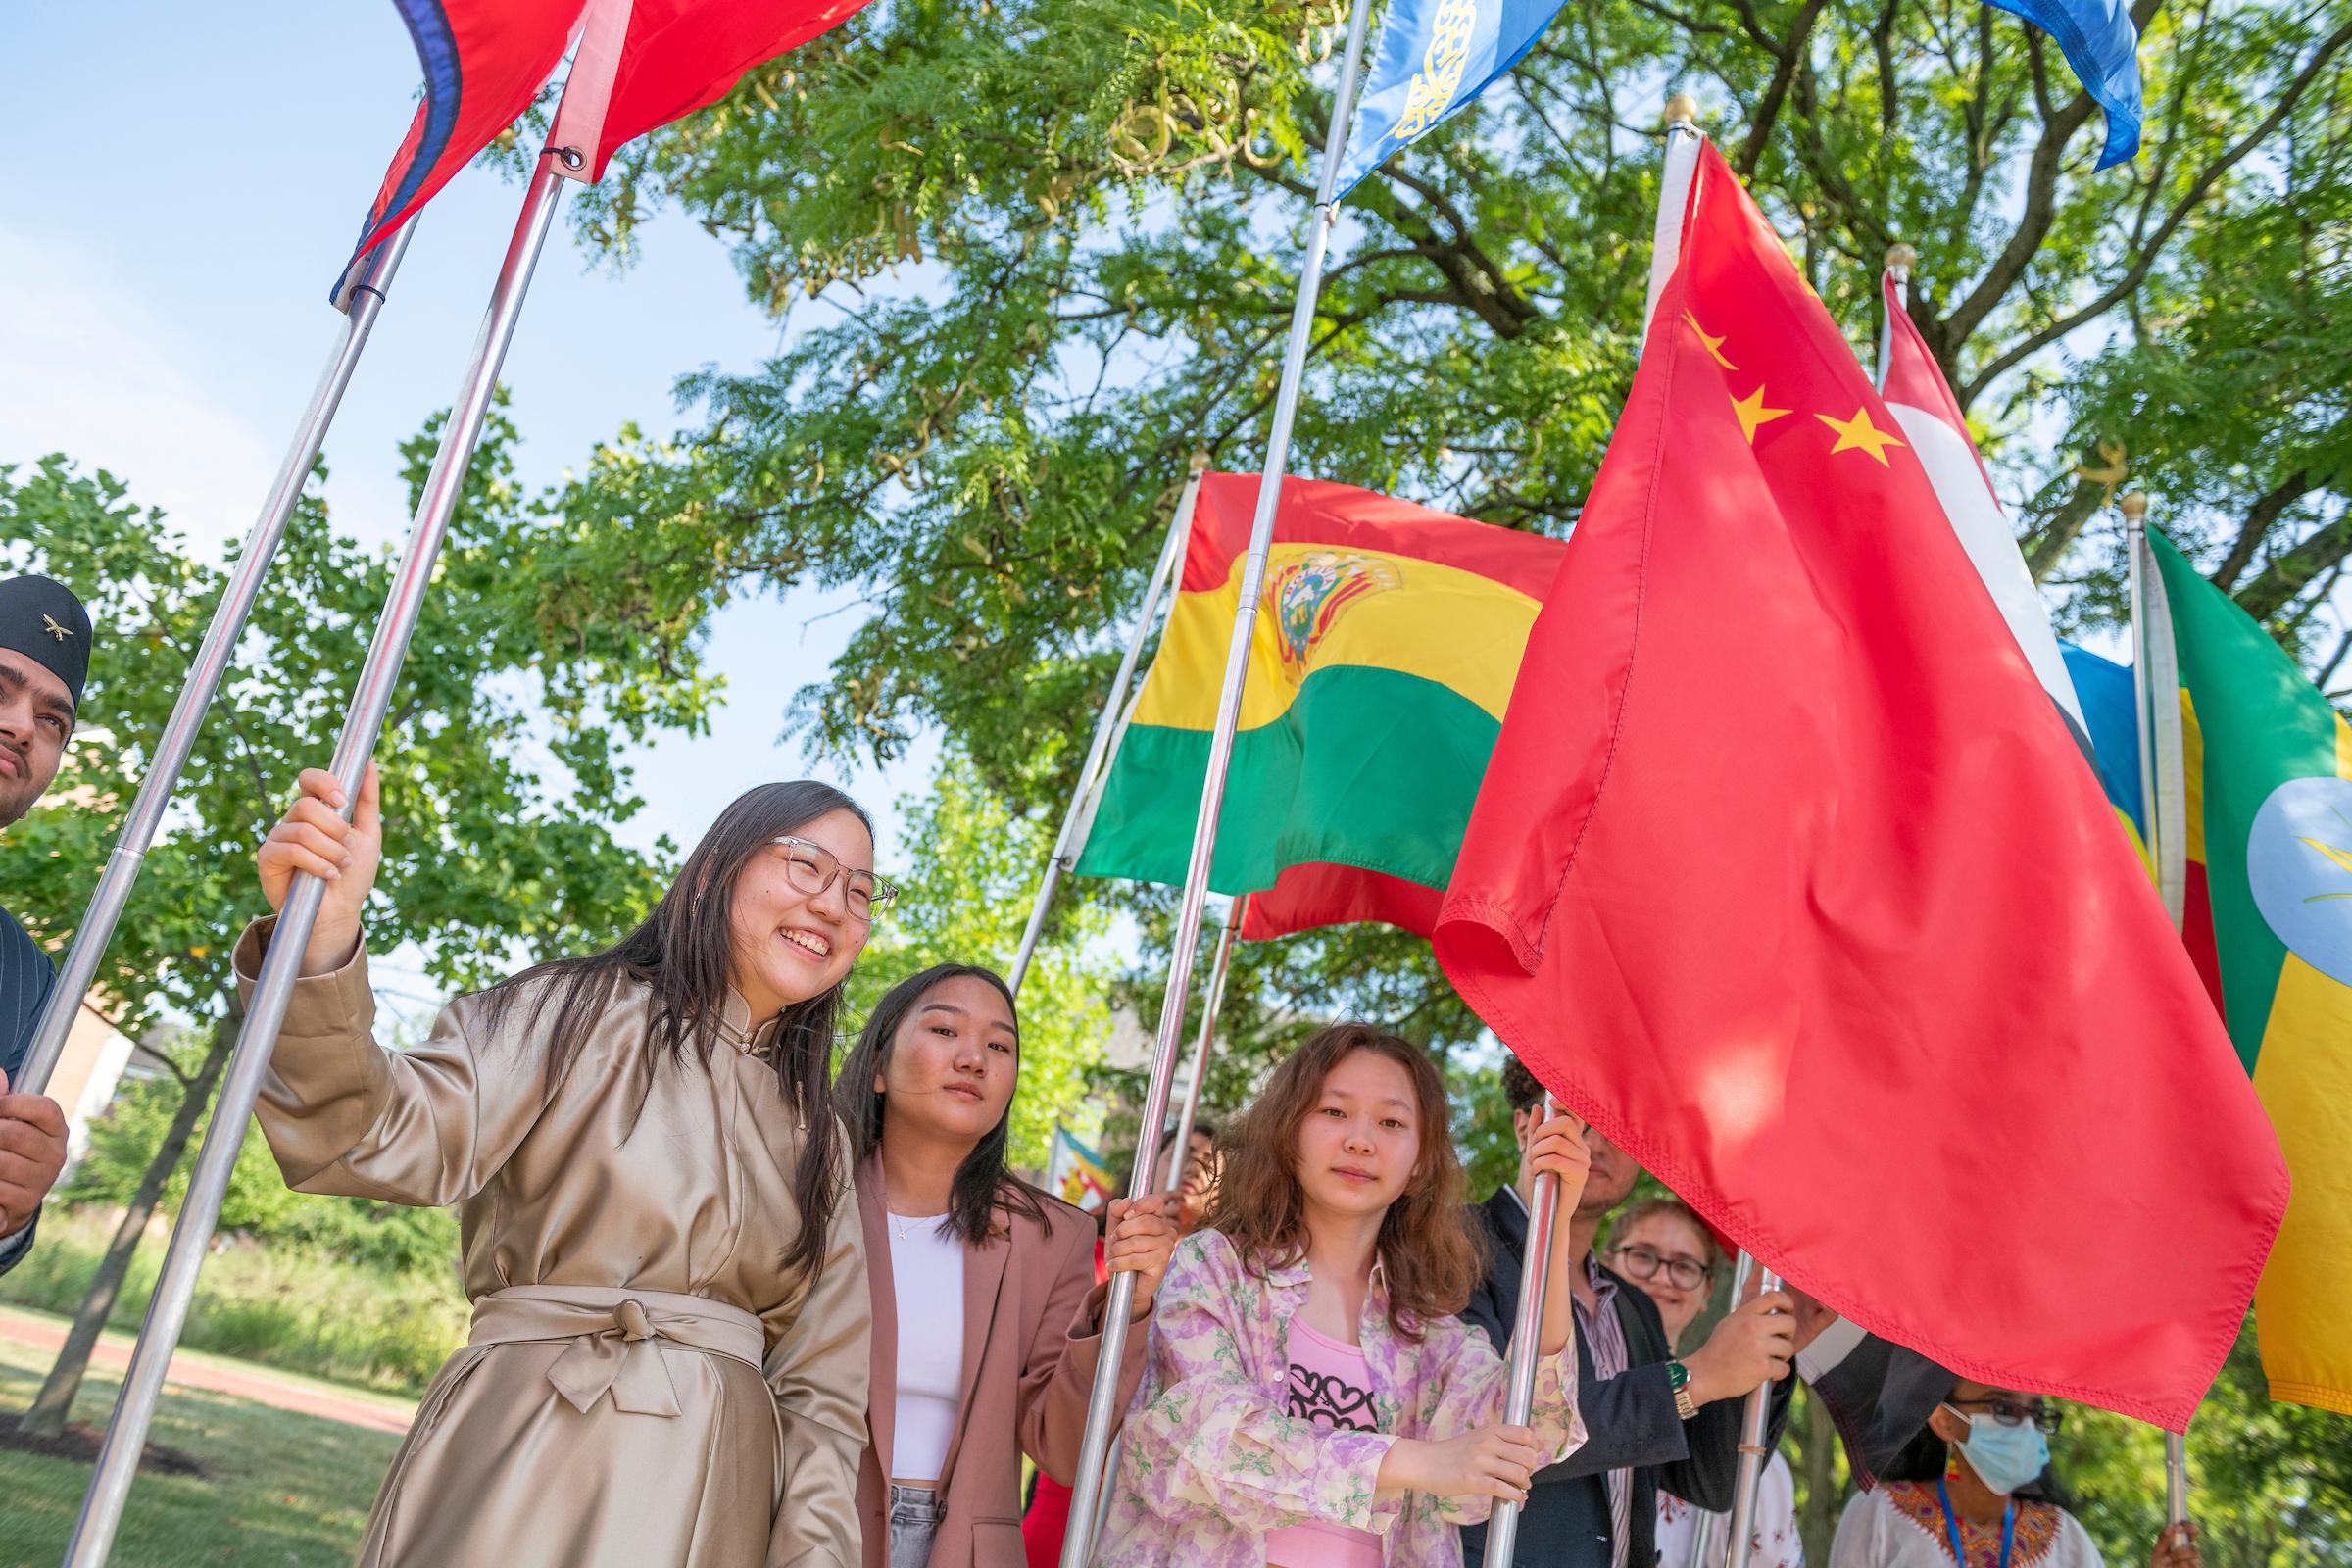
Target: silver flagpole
(1519,1387)
(178,737)
(1167,569)
(1755,1419)
(1100,1413)
(1519,1362)
(207,1185)
(1210,1007)
(2163,807)
(1900,259)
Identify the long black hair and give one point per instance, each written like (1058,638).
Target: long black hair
(982,1182)
(682,953)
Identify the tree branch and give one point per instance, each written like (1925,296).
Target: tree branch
(2261,518)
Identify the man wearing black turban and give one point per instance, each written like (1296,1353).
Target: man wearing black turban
(44,662)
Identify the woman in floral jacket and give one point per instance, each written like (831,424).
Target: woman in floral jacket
(1313,1400)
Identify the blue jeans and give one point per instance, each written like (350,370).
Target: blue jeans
(913,1520)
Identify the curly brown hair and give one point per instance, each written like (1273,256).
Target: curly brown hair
(1427,1251)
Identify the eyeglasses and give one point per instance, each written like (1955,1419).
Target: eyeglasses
(2015,1413)
(813,868)
(1643,1263)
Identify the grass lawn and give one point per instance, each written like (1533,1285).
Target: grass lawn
(279,1488)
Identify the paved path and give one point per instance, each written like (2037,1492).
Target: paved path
(216,1375)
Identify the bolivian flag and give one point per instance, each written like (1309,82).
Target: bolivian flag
(1386,641)
(2268,920)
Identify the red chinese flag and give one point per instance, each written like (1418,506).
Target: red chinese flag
(1787,875)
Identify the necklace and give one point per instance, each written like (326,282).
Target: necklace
(899,1222)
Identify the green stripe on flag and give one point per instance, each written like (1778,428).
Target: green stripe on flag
(2263,724)
(1369,767)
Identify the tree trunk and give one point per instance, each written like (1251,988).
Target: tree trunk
(47,1416)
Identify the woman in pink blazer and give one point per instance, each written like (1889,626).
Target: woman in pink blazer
(986,1313)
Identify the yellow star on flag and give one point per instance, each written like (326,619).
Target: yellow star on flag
(1752,413)
(1714,345)
(1861,436)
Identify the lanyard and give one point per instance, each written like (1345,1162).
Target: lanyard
(1951,1526)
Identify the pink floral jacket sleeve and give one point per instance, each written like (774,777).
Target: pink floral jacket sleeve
(1211,1458)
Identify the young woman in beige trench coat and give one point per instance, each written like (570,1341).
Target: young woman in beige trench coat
(986,1318)
(667,1363)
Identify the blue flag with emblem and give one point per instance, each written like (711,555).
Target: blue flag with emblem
(1435,56)
(2101,42)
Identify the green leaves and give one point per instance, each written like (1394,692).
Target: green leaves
(492,852)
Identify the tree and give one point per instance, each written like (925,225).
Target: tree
(493,851)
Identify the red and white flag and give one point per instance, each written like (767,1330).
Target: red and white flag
(1922,403)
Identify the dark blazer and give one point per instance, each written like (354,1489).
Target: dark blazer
(1630,1422)
(26,975)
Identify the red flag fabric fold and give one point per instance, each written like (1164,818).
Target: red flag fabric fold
(1787,876)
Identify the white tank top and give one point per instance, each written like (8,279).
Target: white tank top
(926,1276)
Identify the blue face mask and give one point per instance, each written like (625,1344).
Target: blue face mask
(2004,1458)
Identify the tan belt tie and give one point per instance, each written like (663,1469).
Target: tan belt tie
(614,1336)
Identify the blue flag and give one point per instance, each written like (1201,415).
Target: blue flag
(2102,43)
(1436,56)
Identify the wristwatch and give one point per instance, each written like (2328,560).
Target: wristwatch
(1678,1378)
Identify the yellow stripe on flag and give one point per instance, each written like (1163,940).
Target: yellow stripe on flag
(2193,769)
(1457,628)
(2304,1076)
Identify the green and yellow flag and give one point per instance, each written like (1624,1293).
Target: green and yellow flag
(1388,640)
(2269,921)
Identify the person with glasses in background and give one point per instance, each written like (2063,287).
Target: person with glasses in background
(668,1362)
(1670,1256)
(1976,1490)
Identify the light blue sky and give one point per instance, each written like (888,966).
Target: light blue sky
(182,184)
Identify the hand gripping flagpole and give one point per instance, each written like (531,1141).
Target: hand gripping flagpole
(178,736)
(2163,807)
(1166,569)
(1755,1420)
(1210,1005)
(207,1185)
(1519,1365)
(1100,1412)
(1527,1328)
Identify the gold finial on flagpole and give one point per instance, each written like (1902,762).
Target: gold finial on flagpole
(1682,110)
(1900,259)
(1199,460)
(2133,506)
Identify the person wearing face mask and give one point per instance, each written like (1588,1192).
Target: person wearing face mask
(668,1362)
(1661,1246)
(987,1314)
(1974,1490)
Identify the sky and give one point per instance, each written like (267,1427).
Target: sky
(184,186)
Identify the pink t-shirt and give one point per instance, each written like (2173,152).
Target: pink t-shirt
(1331,1385)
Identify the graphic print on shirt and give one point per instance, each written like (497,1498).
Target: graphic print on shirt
(1331,1402)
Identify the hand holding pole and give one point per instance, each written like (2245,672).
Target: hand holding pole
(1527,1327)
